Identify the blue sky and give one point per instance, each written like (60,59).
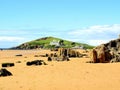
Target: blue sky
(90,21)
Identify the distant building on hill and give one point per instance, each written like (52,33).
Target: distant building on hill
(55,42)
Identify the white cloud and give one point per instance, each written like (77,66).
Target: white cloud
(96,35)
(11,39)
(97,42)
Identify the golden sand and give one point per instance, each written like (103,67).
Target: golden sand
(66,75)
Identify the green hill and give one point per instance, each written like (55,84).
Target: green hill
(55,42)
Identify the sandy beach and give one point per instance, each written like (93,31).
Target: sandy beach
(75,74)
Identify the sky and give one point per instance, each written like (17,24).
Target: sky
(88,21)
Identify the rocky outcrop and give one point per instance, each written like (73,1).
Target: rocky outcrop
(109,52)
(63,54)
(68,52)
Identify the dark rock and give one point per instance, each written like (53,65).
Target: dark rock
(28,63)
(55,55)
(46,55)
(19,55)
(18,62)
(49,59)
(5,72)
(36,56)
(8,64)
(89,62)
(36,62)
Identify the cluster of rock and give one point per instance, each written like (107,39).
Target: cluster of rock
(4,72)
(109,52)
(64,54)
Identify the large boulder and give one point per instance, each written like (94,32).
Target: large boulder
(109,52)
(100,54)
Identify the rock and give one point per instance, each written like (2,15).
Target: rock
(36,62)
(36,56)
(18,62)
(93,56)
(49,59)
(19,55)
(5,72)
(115,59)
(68,52)
(63,54)
(46,55)
(89,62)
(8,64)
(108,52)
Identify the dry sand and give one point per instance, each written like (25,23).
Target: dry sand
(67,75)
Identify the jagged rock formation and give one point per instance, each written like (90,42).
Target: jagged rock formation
(109,52)
(64,54)
(68,52)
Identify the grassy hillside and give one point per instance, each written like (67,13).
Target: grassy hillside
(45,43)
